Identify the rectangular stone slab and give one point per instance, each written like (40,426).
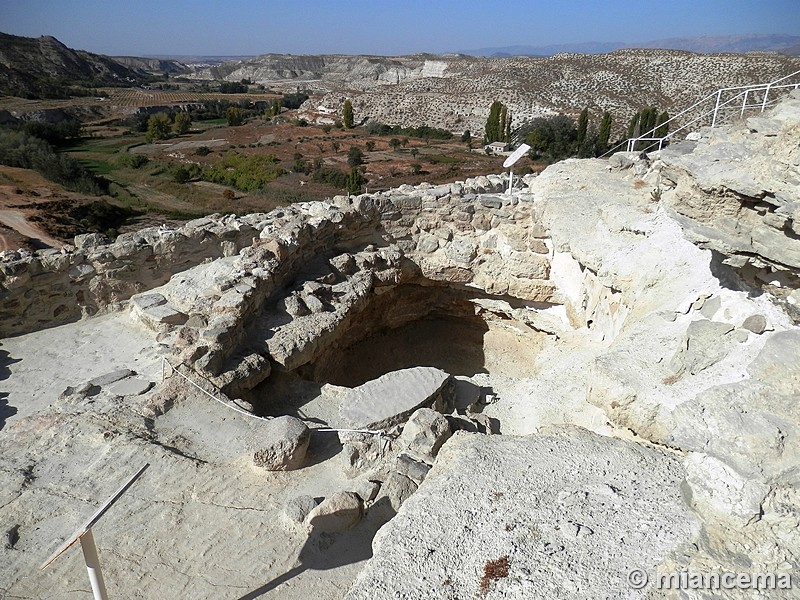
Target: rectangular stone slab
(392,397)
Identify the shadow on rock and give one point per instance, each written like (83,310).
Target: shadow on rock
(324,446)
(5,409)
(323,551)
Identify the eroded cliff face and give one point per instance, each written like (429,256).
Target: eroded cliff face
(329,72)
(582,298)
(735,190)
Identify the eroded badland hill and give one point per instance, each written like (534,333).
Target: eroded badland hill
(454,92)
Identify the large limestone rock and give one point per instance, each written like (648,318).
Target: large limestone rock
(424,434)
(391,398)
(736,191)
(280,444)
(570,512)
(338,513)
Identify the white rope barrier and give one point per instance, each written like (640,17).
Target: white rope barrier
(379,432)
(213,397)
(371,431)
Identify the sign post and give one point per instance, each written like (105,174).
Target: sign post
(509,162)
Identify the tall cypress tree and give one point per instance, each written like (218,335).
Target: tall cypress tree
(604,134)
(583,124)
(648,120)
(493,131)
(507,133)
(633,125)
(347,114)
(662,129)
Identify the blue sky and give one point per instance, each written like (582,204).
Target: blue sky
(209,27)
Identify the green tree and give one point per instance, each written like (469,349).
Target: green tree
(414,152)
(634,125)
(347,114)
(503,118)
(394,143)
(274,108)
(466,137)
(552,139)
(583,124)
(181,174)
(507,131)
(159,126)
(299,165)
(354,181)
(370,145)
(604,134)
(234,116)
(416,168)
(354,156)
(492,130)
(182,123)
(662,127)
(648,123)
(649,118)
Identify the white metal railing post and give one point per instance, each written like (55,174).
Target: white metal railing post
(766,94)
(744,102)
(716,109)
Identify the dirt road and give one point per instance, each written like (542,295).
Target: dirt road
(16,220)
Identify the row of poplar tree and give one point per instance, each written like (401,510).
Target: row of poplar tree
(558,137)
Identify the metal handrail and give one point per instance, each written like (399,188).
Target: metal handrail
(746,90)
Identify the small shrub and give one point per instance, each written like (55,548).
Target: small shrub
(132,161)
(203,151)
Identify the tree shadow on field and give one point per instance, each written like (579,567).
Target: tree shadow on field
(324,551)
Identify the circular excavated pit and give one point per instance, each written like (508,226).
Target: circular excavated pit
(403,327)
(465,346)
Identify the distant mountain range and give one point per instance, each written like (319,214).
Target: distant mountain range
(786,44)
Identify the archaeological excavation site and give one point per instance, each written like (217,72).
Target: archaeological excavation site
(568,387)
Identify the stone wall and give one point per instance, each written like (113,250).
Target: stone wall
(52,287)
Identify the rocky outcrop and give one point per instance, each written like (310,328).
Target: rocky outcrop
(569,513)
(735,190)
